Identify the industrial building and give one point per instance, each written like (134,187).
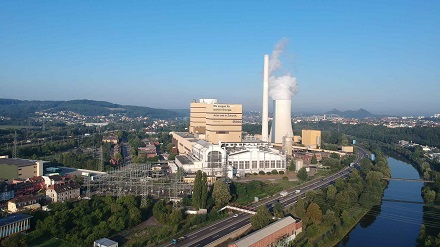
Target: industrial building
(311,138)
(230,158)
(14,223)
(284,230)
(216,122)
(13,168)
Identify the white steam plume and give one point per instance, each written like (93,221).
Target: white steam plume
(280,87)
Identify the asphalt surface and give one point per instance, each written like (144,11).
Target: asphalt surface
(226,226)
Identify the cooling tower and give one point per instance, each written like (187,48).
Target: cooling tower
(264,113)
(281,124)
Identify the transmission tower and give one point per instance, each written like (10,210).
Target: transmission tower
(101,160)
(14,149)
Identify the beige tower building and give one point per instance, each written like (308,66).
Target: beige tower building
(311,138)
(217,122)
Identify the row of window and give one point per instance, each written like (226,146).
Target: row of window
(262,164)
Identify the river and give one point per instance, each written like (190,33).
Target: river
(392,223)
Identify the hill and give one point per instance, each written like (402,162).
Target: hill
(26,108)
(361,113)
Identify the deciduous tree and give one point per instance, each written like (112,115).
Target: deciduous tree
(262,218)
(302,174)
(221,194)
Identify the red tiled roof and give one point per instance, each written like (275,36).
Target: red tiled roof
(64,187)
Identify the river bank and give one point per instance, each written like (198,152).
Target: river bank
(330,213)
(396,221)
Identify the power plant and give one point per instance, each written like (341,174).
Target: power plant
(265,115)
(281,123)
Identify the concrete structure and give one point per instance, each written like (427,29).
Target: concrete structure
(20,168)
(234,158)
(14,223)
(348,149)
(265,113)
(105,242)
(197,122)
(284,229)
(311,138)
(204,156)
(299,163)
(288,145)
(281,123)
(23,202)
(216,122)
(252,159)
(63,192)
(183,141)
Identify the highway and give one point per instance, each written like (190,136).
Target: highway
(226,226)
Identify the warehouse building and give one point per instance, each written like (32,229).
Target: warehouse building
(284,230)
(20,168)
(14,223)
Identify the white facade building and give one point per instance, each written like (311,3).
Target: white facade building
(234,159)
(254,160)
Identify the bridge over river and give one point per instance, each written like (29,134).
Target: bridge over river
(410,180)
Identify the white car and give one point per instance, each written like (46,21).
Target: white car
(235,215)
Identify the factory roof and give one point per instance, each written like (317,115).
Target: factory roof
(184,134)
(16,162)
(184,159)
(204,143)
(12,218)
(264,232)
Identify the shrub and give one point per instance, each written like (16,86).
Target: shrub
(268,173)
(281,172)
(285,178)
(261,172)
(274,172)
(255,173)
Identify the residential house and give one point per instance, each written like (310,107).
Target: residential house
(24,202)
(63,191)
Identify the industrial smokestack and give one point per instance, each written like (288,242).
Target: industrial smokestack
(282,123)
(264,114)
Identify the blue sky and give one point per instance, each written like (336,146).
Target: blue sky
(383,56)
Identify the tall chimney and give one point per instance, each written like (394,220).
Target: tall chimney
(282,122)
(264,114)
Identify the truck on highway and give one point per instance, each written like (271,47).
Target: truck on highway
(177,240)
(85,174)
(297,191)
(283,193)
